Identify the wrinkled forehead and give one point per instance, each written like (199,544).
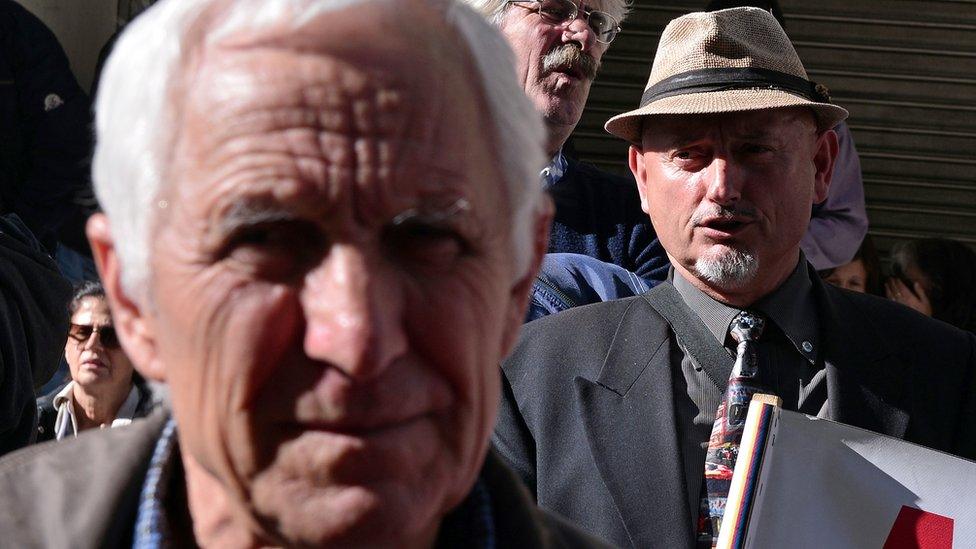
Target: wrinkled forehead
(271,87)
(92,311)
(616,9)
(365,101)
(663,131)
(376,63)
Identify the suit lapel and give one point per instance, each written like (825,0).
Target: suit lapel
(628,415)
(864,378)
(629,419)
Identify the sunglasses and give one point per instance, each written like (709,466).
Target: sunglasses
(557,12)
(83,332)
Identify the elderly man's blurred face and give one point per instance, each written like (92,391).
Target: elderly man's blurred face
(333,283)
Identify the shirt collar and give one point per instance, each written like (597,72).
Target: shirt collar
(552,173)
(64,395)
(128,409)
(715,315)
(65,423)
(64,404)
(791,307)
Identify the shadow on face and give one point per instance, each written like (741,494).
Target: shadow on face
(92,351)
(850,276)
(730,194)
(332,282)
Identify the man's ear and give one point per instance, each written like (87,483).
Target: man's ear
(823,161)
(519,294)
(635,158)
(128,316)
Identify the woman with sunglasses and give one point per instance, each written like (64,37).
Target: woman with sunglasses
(104,390)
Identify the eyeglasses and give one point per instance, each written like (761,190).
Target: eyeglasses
(557,12)
(83,332)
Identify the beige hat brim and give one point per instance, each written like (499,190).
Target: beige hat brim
(630,125)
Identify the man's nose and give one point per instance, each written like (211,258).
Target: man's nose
(723,182)
(579,30)
(354,313)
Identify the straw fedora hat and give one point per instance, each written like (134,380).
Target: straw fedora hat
(731,60)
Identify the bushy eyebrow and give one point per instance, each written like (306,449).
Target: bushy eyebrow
(430,214)
(679,139)
(257,211)
(252,212)
(679,142)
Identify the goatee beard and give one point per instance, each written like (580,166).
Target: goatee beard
(732,269)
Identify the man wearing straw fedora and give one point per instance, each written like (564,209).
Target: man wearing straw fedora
(621,415)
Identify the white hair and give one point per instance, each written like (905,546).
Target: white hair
(138,110)
(493,9)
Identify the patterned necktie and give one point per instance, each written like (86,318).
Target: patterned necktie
(723,446)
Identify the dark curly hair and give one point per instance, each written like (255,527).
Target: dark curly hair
(88,288)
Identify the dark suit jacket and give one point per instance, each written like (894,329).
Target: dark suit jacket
(599,214)
(84,493)
(588,417)
(45,140)
(33,324)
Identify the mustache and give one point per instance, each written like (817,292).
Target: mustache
(727,213)
(570,56)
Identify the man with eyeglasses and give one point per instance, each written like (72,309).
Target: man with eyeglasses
(558,46)
(626,416)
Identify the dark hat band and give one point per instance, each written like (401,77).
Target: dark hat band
(724,79)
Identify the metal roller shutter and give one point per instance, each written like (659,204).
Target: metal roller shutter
(905,69)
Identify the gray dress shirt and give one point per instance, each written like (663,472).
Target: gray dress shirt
(791,342)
